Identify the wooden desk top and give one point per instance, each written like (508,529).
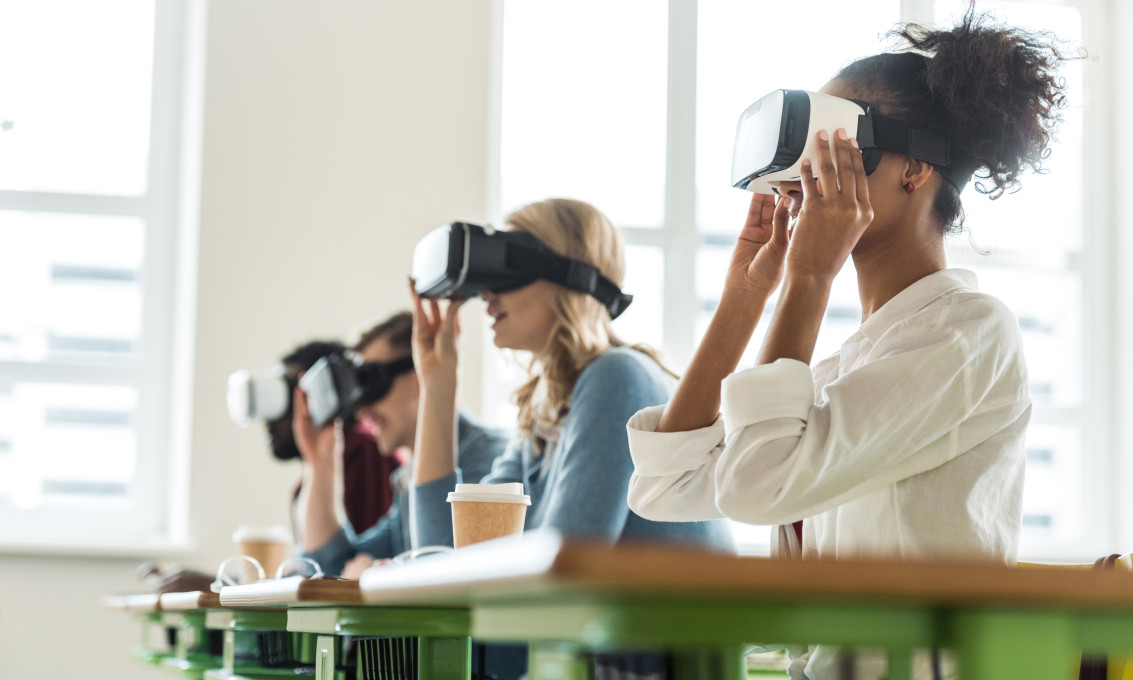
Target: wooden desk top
(197,599)
(291,590)
(544,565)
(142,602)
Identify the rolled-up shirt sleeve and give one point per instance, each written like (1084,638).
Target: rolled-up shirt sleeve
(672,479)
(675,473)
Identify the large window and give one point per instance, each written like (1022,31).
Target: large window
(89,111)
(632,105)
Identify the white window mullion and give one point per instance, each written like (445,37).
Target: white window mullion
(41,201)
(1099,283)
(680,230)
(154,414)
(18,371)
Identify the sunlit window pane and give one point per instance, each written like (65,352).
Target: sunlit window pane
(1049,306)
(79,278)
(1053,506)
(65,443)
(584,105)
(75,77)
(645,280)
(745,50)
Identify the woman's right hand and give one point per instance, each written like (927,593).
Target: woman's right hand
(317,445)
(435,336)
(757,260)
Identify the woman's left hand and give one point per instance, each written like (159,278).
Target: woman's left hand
(353,569)
(835,210)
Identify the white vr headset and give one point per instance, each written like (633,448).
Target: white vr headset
(263,395)
(778,131)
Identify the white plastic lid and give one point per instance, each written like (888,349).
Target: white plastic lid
(511,492)
(272,534)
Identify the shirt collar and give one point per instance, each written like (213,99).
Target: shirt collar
(915,298)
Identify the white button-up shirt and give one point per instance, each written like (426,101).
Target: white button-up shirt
(908,443)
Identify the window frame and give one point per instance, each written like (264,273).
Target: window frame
(156,518)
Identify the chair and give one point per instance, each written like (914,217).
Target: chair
(1114,667)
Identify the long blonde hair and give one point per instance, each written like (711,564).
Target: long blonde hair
(581,329)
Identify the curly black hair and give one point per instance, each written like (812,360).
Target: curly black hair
(993,90)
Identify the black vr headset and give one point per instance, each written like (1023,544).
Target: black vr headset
(336,385)
(461,260)
(778,131)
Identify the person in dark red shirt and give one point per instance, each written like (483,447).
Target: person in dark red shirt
(366,469)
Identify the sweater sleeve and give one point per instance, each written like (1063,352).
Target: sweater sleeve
(592,465)
(429,511)
(478,450)
(378,541)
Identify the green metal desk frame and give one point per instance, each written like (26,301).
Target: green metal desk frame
(151,627)
(190,657)
(444,646)
(561,596)
(238,626)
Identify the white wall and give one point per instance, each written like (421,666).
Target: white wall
(334,135)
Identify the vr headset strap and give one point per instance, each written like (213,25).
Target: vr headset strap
(890,134)
(541,263)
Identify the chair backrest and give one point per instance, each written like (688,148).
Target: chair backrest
(1114,667)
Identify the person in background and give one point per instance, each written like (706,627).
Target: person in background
(367,492)
(335,544)
(909,442)
(583,384)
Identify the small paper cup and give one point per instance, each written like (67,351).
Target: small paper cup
(481,512)
(269,545)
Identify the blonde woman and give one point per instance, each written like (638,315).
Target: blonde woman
(571,452)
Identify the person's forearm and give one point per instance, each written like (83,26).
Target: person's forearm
(797,318)
(435,450)
(696,402)
(317,506)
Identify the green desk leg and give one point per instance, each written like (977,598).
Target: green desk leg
(1014,645)
(560,661)
(557,661)
(900,664)
(153,646)
(242,630)
(726,663)
(190,656)
(444,648)
(444,658)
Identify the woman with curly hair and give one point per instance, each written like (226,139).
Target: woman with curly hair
(909,442)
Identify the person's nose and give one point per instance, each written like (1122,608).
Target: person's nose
(790,189)
(487,296)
